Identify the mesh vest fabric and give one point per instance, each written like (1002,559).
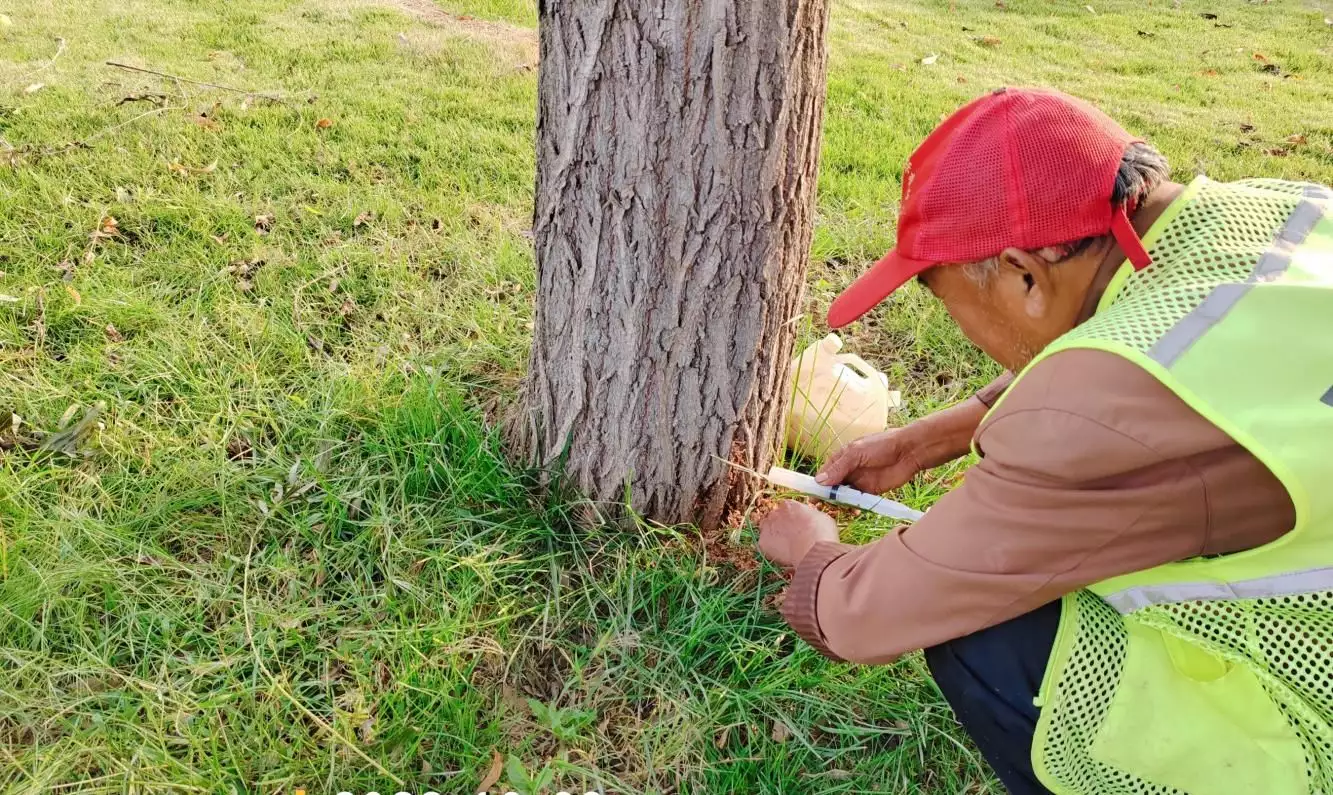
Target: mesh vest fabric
(1218,242)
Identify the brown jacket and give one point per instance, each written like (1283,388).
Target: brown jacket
(1090,468)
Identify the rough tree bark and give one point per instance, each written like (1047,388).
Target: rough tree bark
(678,146)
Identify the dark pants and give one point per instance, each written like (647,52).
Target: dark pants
(990,679)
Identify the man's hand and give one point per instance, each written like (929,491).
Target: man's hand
(876,463)
(884,461)
(791,529)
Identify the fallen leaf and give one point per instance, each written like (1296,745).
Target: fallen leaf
(929,59)
(367,730)
(1290,76)
(186,171)
(205,122)
(112,334)
(348,307)
(721,740)
(1208,15)
(108,227)
(1000,4)
(962,79)
(1090,9)
(1145,34)
(219,239)
(238,448)
(1271,68)
(781,733)
(66,269)
(1296,139)
(363,218)
(69,439)
(6,22)
(34,88)
(987,41)
(263,224)
(1246,128)
(323,124)
(383,675)
(1276,152)
(1209,73)
(1258,56)
(1223,25)
(493,775)
(74,294)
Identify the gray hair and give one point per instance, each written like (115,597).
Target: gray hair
(1142,169)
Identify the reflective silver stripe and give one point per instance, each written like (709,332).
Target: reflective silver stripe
(1274,262)
(1317,192)
(1290,584)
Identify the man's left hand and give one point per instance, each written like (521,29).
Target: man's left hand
(791,529)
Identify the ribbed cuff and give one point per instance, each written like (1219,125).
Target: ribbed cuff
(799,607)
(992,392)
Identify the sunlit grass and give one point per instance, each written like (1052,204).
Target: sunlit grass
(293,556)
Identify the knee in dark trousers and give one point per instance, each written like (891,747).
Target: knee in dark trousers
(990,678)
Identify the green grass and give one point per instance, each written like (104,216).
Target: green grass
(293,557)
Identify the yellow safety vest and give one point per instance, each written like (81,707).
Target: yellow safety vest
(1214,676)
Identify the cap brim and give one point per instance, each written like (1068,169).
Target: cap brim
(885,276)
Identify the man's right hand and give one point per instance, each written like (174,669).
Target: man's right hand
(884,461)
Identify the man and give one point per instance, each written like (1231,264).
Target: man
(1132,591)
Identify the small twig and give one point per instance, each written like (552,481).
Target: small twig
(83,144)
(60,50)
(156,99)
(261,94)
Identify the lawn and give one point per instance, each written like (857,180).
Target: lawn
(284,552)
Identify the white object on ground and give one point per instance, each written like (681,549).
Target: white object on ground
(836,397)
(845,495)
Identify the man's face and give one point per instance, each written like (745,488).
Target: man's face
(1022,305)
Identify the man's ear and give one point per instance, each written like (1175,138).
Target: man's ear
(1034,272)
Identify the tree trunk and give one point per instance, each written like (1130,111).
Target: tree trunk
(677,154)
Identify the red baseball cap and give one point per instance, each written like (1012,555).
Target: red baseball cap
(1026,168)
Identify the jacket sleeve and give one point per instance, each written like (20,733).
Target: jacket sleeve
(1058,501)
(993,391)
